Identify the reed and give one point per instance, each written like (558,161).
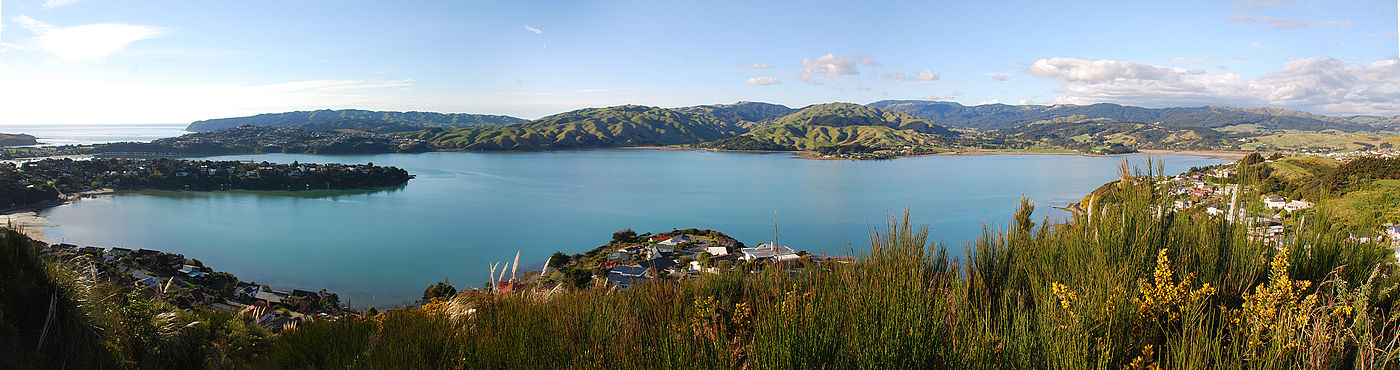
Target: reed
(1130,285)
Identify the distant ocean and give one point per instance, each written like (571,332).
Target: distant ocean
(95,134)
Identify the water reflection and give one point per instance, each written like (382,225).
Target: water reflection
(305,194)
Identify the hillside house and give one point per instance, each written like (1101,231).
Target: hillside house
(675,240)
(1297,205)
(768,251)
(191,271)
(625,276)
(1275,202)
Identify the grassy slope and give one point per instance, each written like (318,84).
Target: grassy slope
(1370,206)
(846,124)
(807,137)
(621,126)
(1298,140)
(17,139)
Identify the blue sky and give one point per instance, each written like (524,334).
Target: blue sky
(101,61)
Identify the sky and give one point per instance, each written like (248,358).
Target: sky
(156,61)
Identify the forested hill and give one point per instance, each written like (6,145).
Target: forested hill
(839,124)
(620,126)
(424,119)
(847,114)
(994,116)
(746,114)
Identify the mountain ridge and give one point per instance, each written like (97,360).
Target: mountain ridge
(425,119)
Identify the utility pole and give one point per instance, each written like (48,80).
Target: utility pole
(775,229)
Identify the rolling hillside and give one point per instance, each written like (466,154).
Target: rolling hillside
(620,126)
(840,124)
(17,139)
(745,114)
(423,119)
(994,116)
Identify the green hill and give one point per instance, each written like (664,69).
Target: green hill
(848,114)
(620,126)
(993,116)
(425,119)
(746,114)
(1085,135)
(836,124)
(17,140)
(810,137)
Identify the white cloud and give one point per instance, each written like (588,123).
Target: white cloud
(924,75)
(1261,3)
(999,77)
(839,88)
(829,65)
(50,4)
(533,30)
(1322,85)
(809,79)
(763,81)
(90,101)
(760,66)
(85,42)
(863,88)
(1281,23)
(867,60)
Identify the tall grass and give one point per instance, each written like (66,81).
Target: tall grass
(64,314)
(1128,285)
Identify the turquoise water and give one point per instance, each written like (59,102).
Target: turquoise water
(466,210)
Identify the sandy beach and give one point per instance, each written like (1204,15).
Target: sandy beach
(27,217)
(28,222)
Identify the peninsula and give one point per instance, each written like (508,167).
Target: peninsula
(52,181)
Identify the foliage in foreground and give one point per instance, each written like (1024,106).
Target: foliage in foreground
(1126,286)
(58,314)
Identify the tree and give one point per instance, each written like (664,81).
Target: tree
(330,301)
(1252,158)
(559,259)
(442,289)
(624,236)
(579,278)
(705,259)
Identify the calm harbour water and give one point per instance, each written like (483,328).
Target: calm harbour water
(95,134)
(466,210)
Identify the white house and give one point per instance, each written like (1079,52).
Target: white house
(191,271)
(678,239)
(1214,211)
(1297,205)
(765,250)
(1275,202)
(717,251)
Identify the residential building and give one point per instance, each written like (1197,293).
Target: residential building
(1297,205)
(1275,202)
(765,250)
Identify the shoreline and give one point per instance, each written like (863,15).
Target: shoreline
(27,218)
(807,154)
